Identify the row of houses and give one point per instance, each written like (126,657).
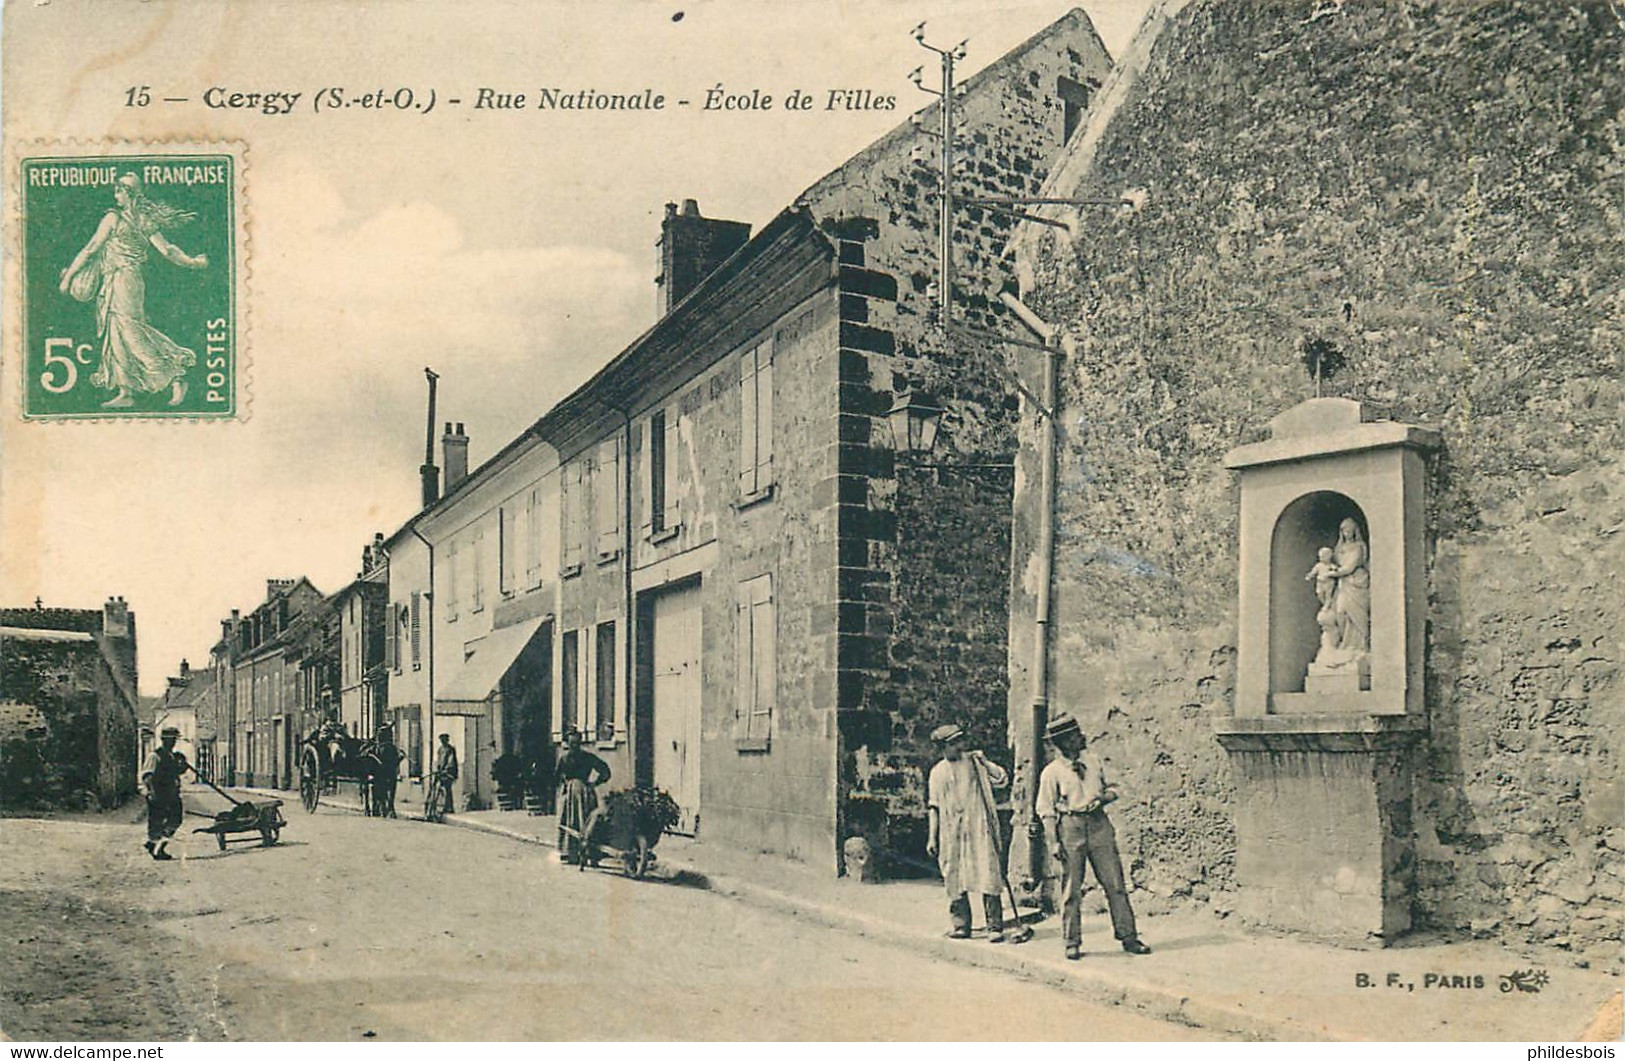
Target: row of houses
(715,558)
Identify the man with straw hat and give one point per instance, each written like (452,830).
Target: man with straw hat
(1072,795)
(964,836)
(161,778)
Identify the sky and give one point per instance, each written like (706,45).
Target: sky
(511,250)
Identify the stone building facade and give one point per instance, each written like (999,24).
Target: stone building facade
(282,665)
(740,592)
(68,705)
(1427,197)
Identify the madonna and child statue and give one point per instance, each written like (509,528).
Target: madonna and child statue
(1342,581)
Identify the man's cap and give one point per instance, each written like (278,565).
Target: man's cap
(169,731)
(572,734)
(1061,725)
(945,733)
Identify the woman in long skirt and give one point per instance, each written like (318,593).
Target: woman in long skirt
(135,355)
(579,773)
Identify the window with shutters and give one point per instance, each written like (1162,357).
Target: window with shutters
(417,630)
(604,681)
(477,575)
(507,549)
(660,517)
(573,486)
(606,484)
(452,579)
(758,665)
(756,423)
(569,679)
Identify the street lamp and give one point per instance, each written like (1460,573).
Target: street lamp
(914,421)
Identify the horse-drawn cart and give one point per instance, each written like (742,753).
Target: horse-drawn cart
(330,755)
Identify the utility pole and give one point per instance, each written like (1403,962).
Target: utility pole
(1035,875)
(945,221)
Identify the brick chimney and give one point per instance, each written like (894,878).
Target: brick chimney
(116,618)
(454,454)
(690,249)
(186,669)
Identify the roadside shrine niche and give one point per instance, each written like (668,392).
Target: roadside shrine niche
(1320,598)
(1333,590)
(1329,715)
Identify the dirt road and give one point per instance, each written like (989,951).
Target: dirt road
(357,928)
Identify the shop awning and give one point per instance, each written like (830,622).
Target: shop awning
(473,683)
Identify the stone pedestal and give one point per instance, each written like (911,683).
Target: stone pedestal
(1323,824)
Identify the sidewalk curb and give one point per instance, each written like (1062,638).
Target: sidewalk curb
(1088,983)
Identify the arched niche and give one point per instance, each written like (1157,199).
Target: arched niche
(1324,463)
(1304,526)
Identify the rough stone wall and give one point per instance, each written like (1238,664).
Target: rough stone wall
(59,761)
(909,655)
(1431,191)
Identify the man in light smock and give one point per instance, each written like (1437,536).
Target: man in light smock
(1072,795)
(959,797)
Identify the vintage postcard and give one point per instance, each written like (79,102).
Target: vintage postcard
(825,521)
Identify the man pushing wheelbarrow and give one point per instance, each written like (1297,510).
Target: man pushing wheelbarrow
(964,837)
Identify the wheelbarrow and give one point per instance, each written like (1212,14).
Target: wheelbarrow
(263,819)
(622,829)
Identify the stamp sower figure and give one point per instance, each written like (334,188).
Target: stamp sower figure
(161,777)
(959,800)
(135,355)
(445,765)
(579,774)
(1072,797)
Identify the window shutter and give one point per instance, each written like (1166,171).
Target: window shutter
(744,686)
(392,636)
(764,417)
(647,468)
(504,545)
(607,483)
(673,477)
(478,547)
(764,664)
(533,539)
(747,423)
(451,581)
(417,629)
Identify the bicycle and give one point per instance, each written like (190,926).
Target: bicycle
(434,808)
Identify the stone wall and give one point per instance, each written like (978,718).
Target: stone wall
(77,746)
(924,557)
(1428,191)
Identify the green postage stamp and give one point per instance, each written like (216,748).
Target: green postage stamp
(132,262)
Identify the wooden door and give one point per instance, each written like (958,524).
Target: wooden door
(676,701)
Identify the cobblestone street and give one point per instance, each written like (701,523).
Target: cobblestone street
(400,930)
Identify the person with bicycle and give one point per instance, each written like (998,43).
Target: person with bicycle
(445,773)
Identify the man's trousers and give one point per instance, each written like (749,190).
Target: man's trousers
(1090,838)
(163,815)
(959,912)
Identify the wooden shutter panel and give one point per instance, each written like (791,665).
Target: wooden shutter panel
(764,417)
(643,474)
(764,664)
(747,423)
(674,496)
(392,635)
(744,687)
(607,497)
